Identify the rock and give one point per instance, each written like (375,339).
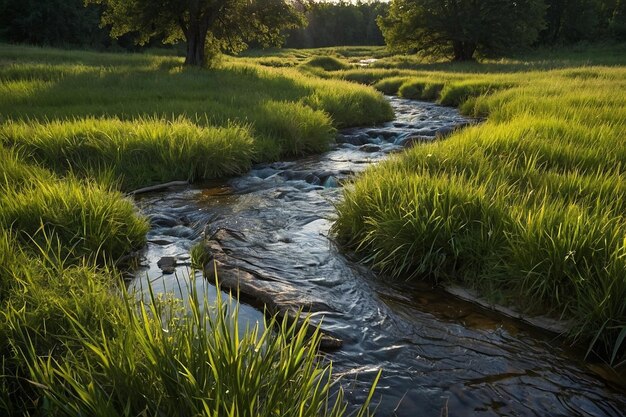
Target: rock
(356,140)
(445,131)
(167,264)
(385,134)
(267,293)
(542,322)
(312,179)
(329,343)
(370,148)
(160,242)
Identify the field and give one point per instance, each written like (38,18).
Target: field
(527,207)
(77,129)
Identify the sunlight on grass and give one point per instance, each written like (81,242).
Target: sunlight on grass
(527,207)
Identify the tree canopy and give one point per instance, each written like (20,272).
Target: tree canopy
(224,25)
(461,27)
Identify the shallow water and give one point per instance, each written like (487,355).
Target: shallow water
(437,353)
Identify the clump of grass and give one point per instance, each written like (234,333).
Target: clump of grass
(74,112)
(15,173)
(296,129)
(73,127)
(527,207)
(390,85)
(327,63)
(356,106)
(84,217)
(139,152)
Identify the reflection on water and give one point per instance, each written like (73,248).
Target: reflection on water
(436,352)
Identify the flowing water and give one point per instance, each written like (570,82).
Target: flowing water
(438,354)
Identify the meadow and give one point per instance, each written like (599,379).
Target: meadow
(77,131)
(526,207)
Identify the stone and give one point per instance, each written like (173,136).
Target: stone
(167,264)
(370,148)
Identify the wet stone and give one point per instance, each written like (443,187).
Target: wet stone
(414,140)
(370,148)
(380,133)
(356,140)
(160,242)
(167,264)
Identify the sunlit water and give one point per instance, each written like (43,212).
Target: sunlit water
(437,353)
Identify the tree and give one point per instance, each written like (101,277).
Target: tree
(461,27)
(223,25)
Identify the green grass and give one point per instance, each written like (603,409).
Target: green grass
(527,207)
(75,129)
(277,112)
(140,152)
(327,63)
(74,345)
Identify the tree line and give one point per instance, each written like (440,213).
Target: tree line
(339,24)
(454,27)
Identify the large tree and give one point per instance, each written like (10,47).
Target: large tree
(225,25)
(459,28)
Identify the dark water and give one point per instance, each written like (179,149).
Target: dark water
(437,353)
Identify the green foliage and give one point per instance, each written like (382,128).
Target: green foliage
(147,119)
(528,205)
(75,126)
(226,25)
(460,28)
(617,22)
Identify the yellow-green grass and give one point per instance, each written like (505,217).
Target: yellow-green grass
(527,207)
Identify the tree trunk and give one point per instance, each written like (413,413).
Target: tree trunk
(463,50)
(196,41)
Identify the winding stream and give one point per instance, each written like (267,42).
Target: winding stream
(438,353)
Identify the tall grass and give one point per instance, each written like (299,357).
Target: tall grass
(73,345)
(527,207)
(138,152)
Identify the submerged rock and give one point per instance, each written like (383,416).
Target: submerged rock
(267,293)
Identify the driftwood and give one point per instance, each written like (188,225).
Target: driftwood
(158,187)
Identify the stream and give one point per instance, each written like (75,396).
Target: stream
(439,354)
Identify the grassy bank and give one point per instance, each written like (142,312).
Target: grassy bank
(76,129)
(59,105)
(527,207)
